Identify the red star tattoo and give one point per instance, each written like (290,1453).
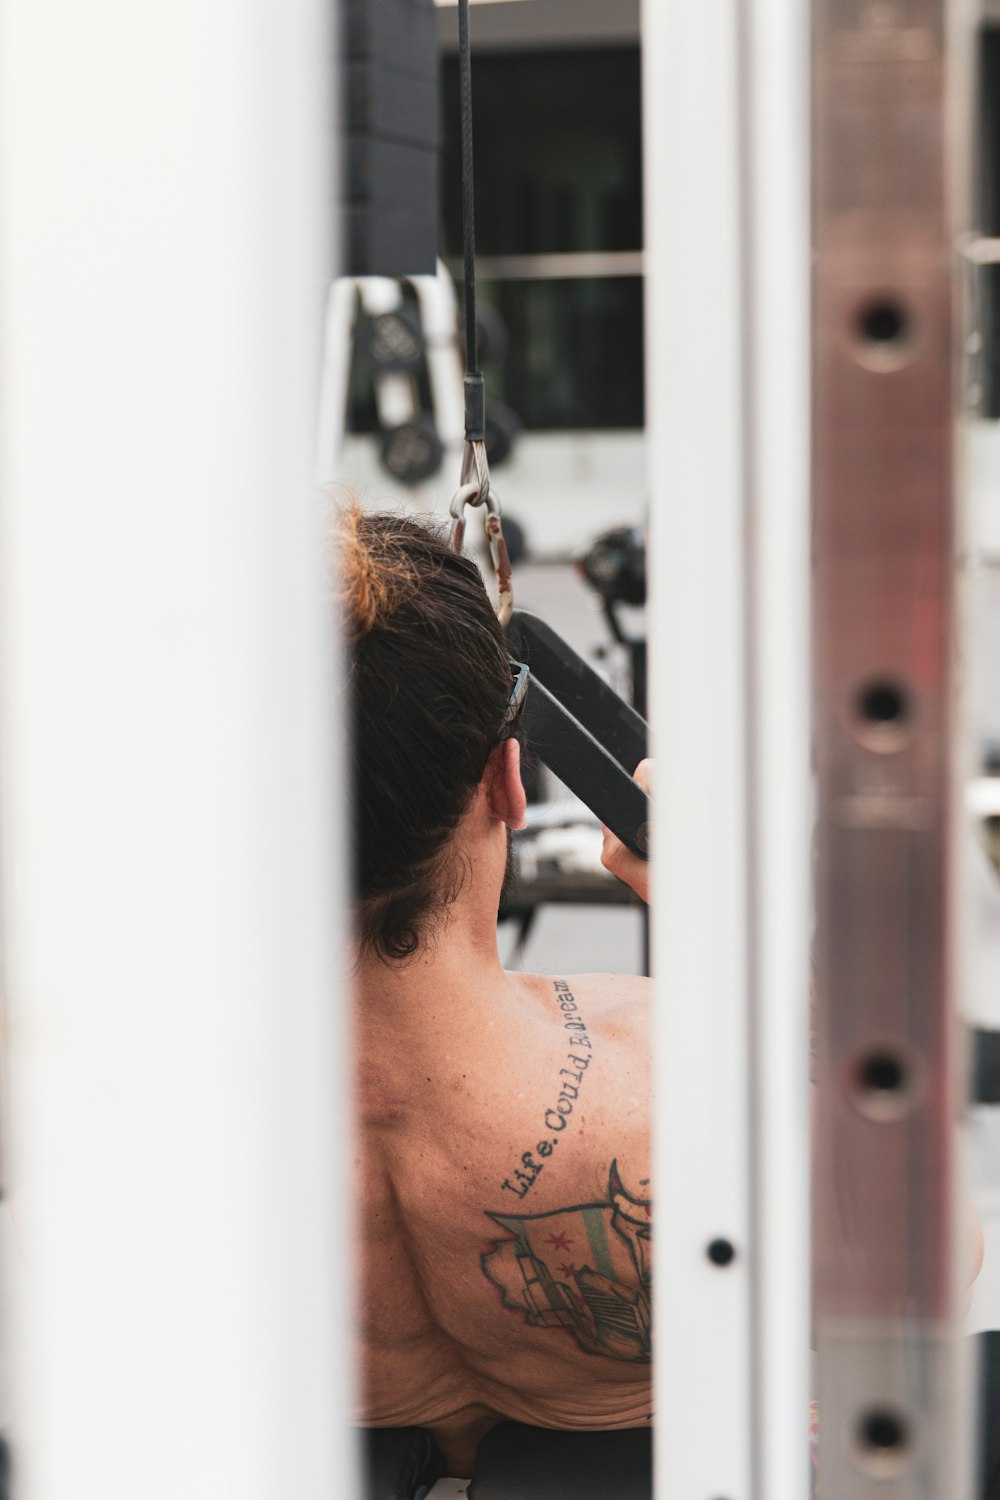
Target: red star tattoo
(558,1241)
(568,1270)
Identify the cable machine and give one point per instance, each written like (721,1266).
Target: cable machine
(727,424)
(728,322)
(729,314)
(730,429)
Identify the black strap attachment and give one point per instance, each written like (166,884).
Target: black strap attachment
(475,408)
(475,386)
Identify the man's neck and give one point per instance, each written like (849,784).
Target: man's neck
(458,951)
(456,955)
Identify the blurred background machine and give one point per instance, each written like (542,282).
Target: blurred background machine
(557,102)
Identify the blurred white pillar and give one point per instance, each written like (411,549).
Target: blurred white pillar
(169,894)
(777,395)
(701,954)
(726,130)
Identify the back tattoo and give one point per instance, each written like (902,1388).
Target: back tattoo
(585,1269)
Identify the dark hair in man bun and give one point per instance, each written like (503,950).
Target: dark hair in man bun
(430,680)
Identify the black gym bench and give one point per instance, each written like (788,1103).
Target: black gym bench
(515,1462)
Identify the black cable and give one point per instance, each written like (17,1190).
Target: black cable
(468,203)
(475,395)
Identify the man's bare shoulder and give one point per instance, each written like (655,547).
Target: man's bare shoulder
(590,1069)
(610,1000)
(609,990)
(603,991)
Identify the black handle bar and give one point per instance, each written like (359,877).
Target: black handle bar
(580,728)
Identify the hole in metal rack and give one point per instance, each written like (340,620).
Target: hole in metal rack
(883,703)
(883,713)
(883,1429)
(721,1252)
(883,1083)
(884,322)
(882,1440)
(882,1073)
(883,333)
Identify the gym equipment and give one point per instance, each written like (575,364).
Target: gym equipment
(517,541)
(580,728)
(402,336)
(534,1464)
(615,567)
(984,1087)
(475,459)
(399,1463)
(988,1351)
(394,340)
(888,1102)
(412,451)
(399,342)
(389,136)
(185,1332)
(513,1462)
(725,193)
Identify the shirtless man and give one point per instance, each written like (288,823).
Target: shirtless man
(504,1142)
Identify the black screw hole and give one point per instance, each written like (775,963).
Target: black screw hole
(883,703)
(884,322)
(882,1073)
(721,1252)
(883,1432)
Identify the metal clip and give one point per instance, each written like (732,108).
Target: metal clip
(478,492)
(466,494)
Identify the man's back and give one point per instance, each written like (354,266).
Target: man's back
(504,1137)
(505,1201)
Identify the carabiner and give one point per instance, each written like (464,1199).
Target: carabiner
(466,494)
(470,493)
(501,559)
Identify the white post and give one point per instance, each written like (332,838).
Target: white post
(694,424)
(727,423)
(777,399)
(167,754)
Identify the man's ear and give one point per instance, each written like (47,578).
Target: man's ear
(505,789)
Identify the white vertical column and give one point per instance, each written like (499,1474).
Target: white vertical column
(776,94)
(727,420)
(169,895)
(694,423)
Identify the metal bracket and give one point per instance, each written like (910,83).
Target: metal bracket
(580,728)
